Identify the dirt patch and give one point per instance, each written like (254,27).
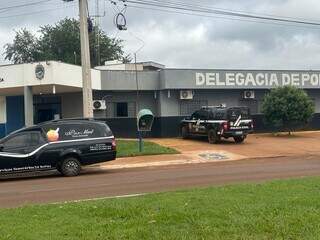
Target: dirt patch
(200,151)
(255,146)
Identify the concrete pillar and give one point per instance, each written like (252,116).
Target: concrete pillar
(28,106)
(3,116)
(3,110)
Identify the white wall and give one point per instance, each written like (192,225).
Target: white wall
(12,75)
(57,73)
(121,67)
(71,75)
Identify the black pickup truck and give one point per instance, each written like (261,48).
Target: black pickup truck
(218,122)
(64,145)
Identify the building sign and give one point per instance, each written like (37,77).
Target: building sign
(257,79)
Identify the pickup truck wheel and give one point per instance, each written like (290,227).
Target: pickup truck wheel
(239,139)
(184,132)
(70,167)
(213,136)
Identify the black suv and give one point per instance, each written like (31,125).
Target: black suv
(218,122)
(64,145)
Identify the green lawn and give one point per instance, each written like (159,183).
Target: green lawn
(276,210)
(130,148)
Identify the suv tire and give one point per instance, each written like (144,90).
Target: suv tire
(239,139)
(70,167)
(184,132)
(213,136)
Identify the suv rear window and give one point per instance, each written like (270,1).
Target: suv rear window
(234,113)
(219,114)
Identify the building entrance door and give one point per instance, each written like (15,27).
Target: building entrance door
(47,108)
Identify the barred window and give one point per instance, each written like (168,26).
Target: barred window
(187,107)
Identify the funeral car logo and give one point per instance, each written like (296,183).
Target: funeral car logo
(53,135)
(77,134)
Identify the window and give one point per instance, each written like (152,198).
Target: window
(203,114)
(234,113)
(25,142)
(195,116)
(18,141)
(219,114)
(190,106)
(122,109)
(36,139)
(252,104)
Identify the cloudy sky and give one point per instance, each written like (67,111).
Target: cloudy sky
(185,41)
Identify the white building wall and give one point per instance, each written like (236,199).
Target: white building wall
(56,73)
(71,75)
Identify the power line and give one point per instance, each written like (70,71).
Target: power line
(184,7)
(23,5)
(221,17)
(37,12)
(224,9)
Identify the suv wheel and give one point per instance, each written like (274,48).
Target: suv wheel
(239,139)
(184,132)
(70,167)
(213,136)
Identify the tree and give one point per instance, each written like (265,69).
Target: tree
(287,108)
(61,42)
(23,49)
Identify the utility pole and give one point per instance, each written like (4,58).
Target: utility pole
(97,33)
(85,59)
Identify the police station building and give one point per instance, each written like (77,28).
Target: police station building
(38,92)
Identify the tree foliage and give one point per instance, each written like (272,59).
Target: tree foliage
(61,42)
(287,108)
(23,49)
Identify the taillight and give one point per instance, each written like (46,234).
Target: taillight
(114,144)
(225,126)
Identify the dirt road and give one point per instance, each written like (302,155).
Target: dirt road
(96,183)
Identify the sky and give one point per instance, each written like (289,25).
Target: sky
(185,41)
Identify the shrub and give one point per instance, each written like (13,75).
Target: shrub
(287,108)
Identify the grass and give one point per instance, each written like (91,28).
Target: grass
(276,210)
(130,148)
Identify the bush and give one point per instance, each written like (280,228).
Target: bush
(287,108)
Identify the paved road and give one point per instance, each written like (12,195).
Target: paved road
(95,183)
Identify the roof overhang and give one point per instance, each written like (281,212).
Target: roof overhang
(65,78)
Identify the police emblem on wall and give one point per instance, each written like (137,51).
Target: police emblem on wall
(39,71)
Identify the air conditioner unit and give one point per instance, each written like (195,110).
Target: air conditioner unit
(248,94)
(186,94)
(99,105)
